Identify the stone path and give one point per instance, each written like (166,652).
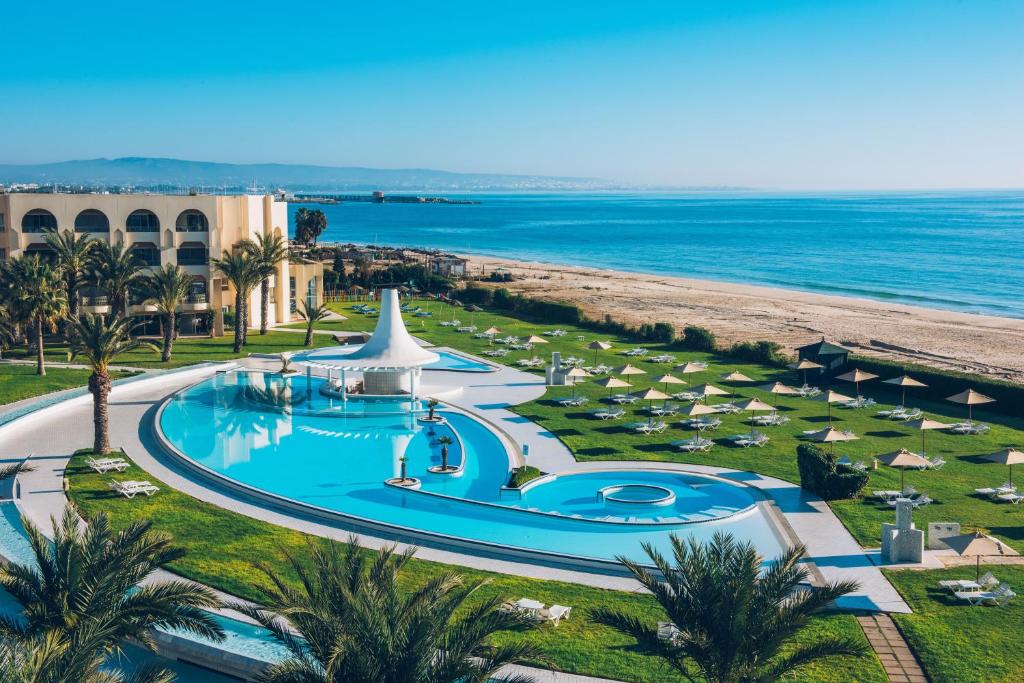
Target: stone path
(899,662)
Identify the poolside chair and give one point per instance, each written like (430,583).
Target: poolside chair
(917,502)
(986,582)
(130,489)
(104,465)
(667,631)
(1014,498)
(999,596)
(608,413)
(694,445)
(555,613)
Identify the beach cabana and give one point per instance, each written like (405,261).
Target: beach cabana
(969,398)
(1008,457)
(904,381)
(598,345)
(736,376)
(831,357)
(978,545)
(831,435)
(612,383)
(903,459)
(779,389)
(803,366)
(856,376)
(830,397)
(924,424)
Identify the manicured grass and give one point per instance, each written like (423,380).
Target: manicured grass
(222,545)
(957,642)
(591,439)
(191,350)
(18,382)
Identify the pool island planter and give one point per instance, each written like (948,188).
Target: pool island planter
(407,483)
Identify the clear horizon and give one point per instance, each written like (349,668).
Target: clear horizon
(793,96)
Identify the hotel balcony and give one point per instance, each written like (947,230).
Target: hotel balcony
(195,303)
(137,309)
(97,305)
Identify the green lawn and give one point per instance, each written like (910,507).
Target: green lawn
(18,382)
(222,546)
(191,350)
(957,642)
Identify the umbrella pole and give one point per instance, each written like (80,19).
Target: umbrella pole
(977,569)
(902,472)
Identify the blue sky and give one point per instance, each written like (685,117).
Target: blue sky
(774,94)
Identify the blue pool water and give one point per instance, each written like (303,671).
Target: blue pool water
(446,359)
(339,461)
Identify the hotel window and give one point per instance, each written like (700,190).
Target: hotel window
(3,254)
(146,253)
(2,228)
(192,254)
(92,220)
(192,221)
(142,221)
(38,220)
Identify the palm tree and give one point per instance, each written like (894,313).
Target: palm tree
(242,272)
(37,299)
(167,288)
(267,251)
(312,316)
(114,269)
(358,624)
(82,596)
(445,442)
(737,619)
(8,330)
(74,257)
(100,342)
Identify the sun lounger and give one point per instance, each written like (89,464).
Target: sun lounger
(969,428)
(661,411)
(104,465)
(727,408)
(637,352)
(663,358)
(807,391)
(986,582)
(623,398)
(608,413)
(999,597)
(747,440)
(130,489)
(667,631)
(686,396)
(702,423)
(555,613)
(1014,498)
(993,492)
(651,428)
(694,445)
(906,415)
(917,502)
(573,402)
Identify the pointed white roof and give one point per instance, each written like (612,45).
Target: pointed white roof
(391,347)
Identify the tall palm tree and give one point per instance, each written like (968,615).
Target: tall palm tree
(267,251)
(737,620)
(36,298)
(74,257)
(101,341)
(357,624)
(8,329)
(167,288)
(82,596)
(114,269)
(243,273)
(312,316)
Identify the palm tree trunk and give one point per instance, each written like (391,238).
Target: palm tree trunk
(239,321)
(245,320)
(72,287)
(168,337)
(99,386)
(264,304)
(40,356)
(309,334)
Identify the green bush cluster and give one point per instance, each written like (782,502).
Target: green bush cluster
(698,338)
(821,474)
(764,352)
(548,311)
(521,475)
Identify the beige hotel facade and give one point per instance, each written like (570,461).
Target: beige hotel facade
(161,229)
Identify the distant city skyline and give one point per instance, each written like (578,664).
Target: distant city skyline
(767,95)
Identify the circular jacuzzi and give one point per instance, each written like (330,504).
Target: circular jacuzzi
(636,495)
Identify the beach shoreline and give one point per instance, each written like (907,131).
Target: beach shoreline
(968,342)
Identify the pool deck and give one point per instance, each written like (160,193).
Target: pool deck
(54,433)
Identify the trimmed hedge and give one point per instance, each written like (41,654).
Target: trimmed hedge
(820,474)
(942,383)
(522,475)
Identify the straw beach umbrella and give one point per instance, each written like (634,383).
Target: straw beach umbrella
(612,383)
(904,381)
(651,395)
(902,459)
(924,424)
(736,376)
(665,380)
(978,545)
(627,370)
(1008,457)
(779,389)
(534,339)
(491,331)
(598,346)
(831,435)
(830,397)
(805,365)
(576,374)
(697,409)
(706,390)
(970,398)
(856,376)
(754,405)
(687,368)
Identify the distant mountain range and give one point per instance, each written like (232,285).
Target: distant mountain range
(148,173)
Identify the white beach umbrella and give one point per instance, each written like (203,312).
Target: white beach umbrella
(1008,457)
(970,398)
(612,383)
(856,376)
(902,459)
(598,345)
(978,545)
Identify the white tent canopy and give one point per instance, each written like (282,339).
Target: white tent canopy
(391,347)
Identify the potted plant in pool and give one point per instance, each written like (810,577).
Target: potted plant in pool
(445,468)
(432,415)
(403,479)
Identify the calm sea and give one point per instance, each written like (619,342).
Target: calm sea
(959,251)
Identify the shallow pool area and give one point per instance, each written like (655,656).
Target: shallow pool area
(312,450)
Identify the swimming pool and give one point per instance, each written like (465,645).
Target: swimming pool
(337,462)
(447,360)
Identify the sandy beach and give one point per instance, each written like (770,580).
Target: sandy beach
(987,345)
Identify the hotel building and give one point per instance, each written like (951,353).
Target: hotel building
(160,229)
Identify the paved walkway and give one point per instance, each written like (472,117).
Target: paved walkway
(899,662)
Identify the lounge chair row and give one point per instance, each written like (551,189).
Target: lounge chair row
(987,590)
(538,611)
(104,465)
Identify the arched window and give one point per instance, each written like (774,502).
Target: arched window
(192,254)
(92,220)
(192,221)
(142,221)
(38,220)
(146,253)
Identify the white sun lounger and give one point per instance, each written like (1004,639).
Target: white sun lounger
(694,445)
(130,489)
(999,597)
(608,413)
(104,465)
(555,613)
(985,582)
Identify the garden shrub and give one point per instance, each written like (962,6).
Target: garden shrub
(821,474)
(698,338)
(522,475)
(764,352)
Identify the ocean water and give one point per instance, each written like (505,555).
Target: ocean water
(957,251)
